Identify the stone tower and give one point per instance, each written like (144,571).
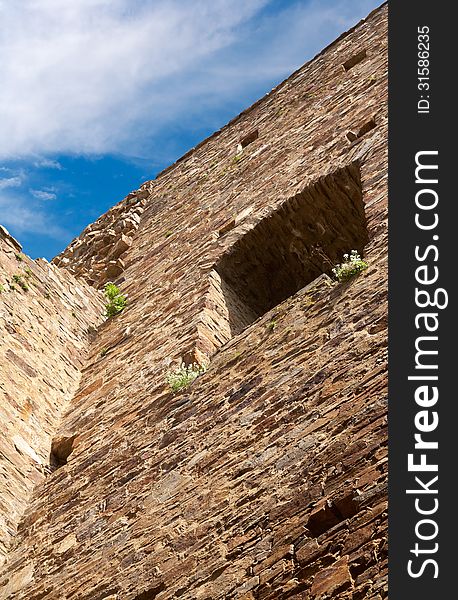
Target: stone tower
(266,477)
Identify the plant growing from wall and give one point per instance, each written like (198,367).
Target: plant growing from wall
(184,375)
(352,265)
(20,281)
(272,325)
(116,302)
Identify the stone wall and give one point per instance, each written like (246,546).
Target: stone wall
(45,321)
(266,478)
(97,254)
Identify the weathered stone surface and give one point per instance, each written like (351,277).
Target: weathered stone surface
(332,580)
(113,269)
(266,478)
(107,239)
(123,244)
(44,319)
(11,241)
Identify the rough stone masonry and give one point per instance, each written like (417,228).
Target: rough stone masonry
(265,478)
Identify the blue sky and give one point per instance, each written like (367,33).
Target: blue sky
(97,96)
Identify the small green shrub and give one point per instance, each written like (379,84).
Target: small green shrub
(19,257)
(272,325)
(116,301)
(352,265)
(20,281)
(103,352)
(184,376)
(2,289)
(28,272)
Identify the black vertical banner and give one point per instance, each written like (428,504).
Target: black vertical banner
(423,426)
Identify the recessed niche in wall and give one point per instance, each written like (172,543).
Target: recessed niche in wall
(291,247)
(354,60)
(249,138)
(365,128)
(61,448)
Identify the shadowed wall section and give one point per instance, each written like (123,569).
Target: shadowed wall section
(305,237)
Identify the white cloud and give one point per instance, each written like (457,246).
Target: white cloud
(43,194)
(21,217)
(74,74)
(20,208)
(9,182)
(106,76)
(47,163)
